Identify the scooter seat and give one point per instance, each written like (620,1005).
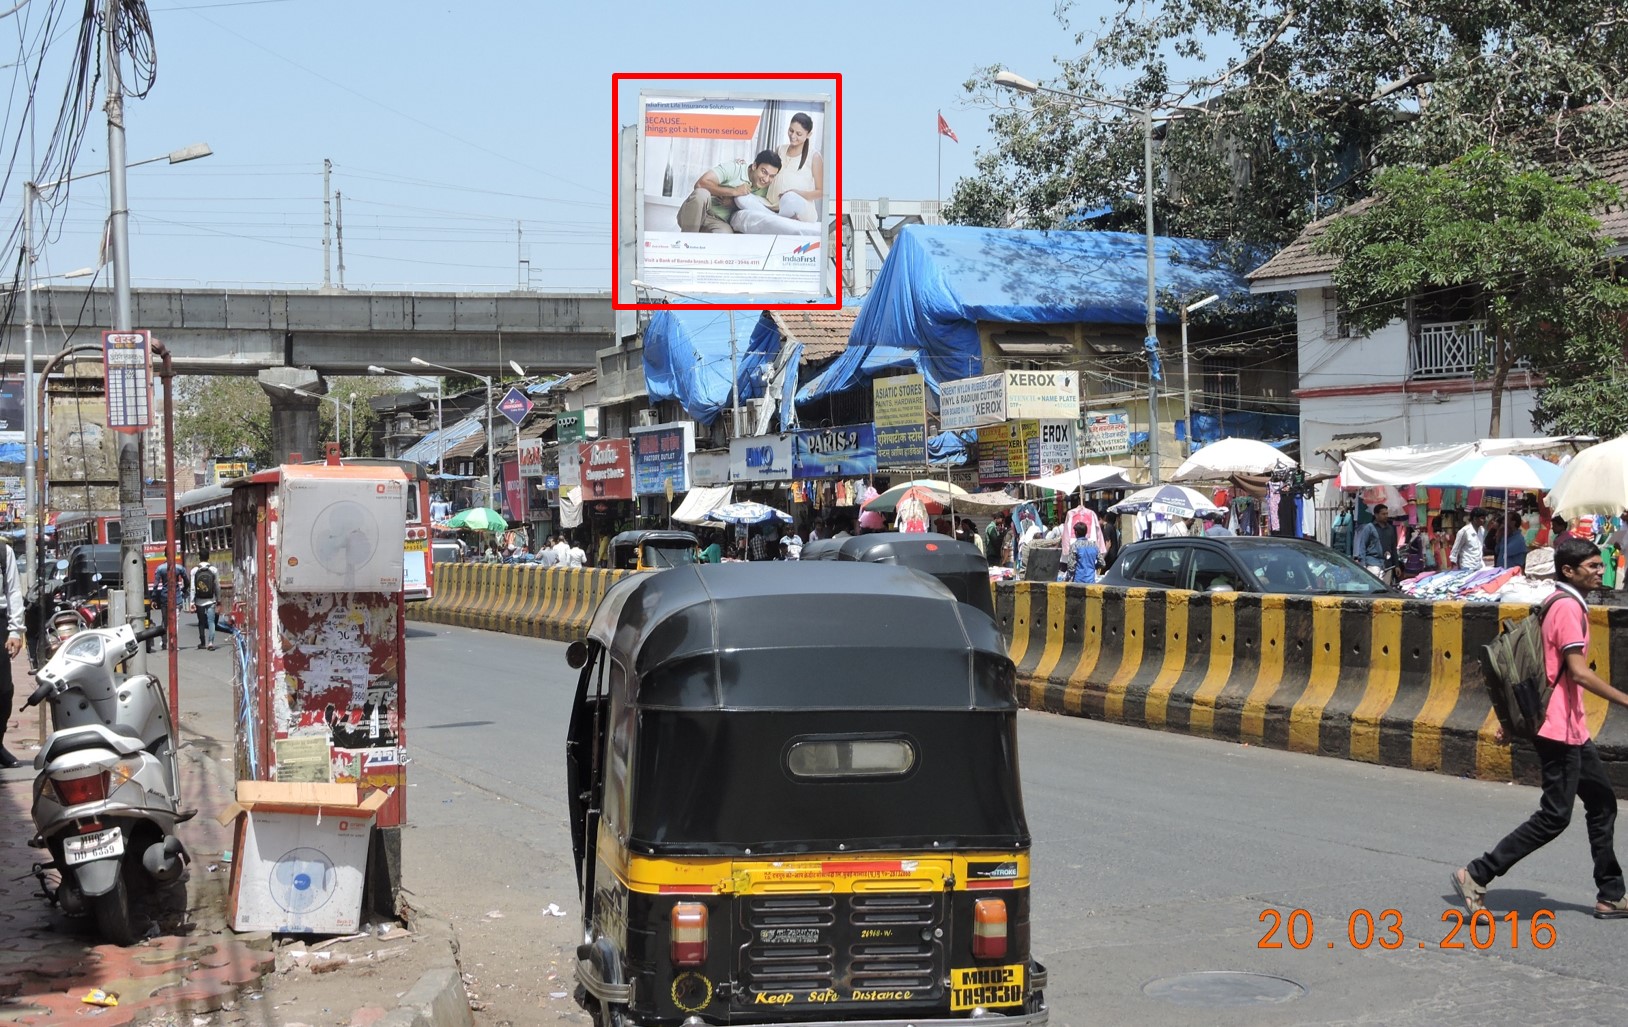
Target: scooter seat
(121,738)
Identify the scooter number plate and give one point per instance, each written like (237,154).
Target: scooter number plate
(86,848)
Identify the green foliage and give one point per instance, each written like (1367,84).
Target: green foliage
(1521,247)
(1311,98)
(229,416)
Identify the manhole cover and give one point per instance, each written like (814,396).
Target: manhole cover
(1223,989)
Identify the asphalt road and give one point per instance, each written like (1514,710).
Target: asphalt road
(1155,855)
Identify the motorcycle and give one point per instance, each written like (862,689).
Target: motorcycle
(107,792)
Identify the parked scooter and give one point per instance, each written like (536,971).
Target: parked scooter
(107,791)
(69,616)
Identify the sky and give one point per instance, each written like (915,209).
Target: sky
(449,123)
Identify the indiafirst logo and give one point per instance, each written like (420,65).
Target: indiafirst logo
(807,247)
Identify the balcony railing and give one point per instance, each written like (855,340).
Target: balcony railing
(1448,349)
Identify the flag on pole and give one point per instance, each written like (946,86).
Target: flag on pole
(944,128)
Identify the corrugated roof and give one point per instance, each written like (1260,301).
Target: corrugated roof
(823,333)
(1297,259)
(465,448)
(429,449)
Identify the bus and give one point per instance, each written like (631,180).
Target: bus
(204,518)
(103,527)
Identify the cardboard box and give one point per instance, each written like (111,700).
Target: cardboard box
(301,856)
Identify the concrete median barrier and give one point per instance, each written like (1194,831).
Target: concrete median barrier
(540,602)
(1393,682)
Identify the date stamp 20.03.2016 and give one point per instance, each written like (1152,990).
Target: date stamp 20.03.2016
(1363,929)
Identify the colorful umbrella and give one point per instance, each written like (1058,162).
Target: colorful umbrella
(746,513)
(478,518)
(1170,500)
(1508,472)
(889,500)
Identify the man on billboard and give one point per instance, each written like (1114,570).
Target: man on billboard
(734,198)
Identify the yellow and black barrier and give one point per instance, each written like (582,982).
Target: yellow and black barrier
(521,599)
(1393,682)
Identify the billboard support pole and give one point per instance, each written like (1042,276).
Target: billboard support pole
(734,381)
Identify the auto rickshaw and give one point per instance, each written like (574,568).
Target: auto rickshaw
(652,550)
(959,565)
(793,794)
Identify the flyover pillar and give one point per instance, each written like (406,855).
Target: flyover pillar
(294,420)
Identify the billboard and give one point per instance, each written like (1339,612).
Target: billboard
(845,451)
(1043,394)
(607,469)
(709,468)
(734,194)
(530,453)
(901,420)
(11,403)
(661,457)
(971,402)
(760,458)
(1105,432)
(226,470)
(1018,450)
(515,505)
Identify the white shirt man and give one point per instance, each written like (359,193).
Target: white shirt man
(562,550)
(1468,544)
(574,557)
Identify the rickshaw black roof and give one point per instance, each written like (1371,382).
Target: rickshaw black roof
(785,635)
(948,554)
(658,534)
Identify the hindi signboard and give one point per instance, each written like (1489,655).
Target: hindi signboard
(661,456)
(127,359)
(1105,432)
(901,420)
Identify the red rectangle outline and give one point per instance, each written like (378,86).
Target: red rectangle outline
(616,186)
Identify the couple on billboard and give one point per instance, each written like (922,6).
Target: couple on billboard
(778,193)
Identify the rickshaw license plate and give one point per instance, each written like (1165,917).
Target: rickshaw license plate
(86,848)
(986,986)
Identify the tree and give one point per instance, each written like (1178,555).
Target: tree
(1522,246)
(229,416)
(1317,95)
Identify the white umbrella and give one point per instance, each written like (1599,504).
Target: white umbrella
(1170,500)
(1231,456)
(1594,482)
(1085,476)
(1507,473)
(746,513)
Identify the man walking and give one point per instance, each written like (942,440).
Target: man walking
(1370,543)
(169,594)
(205,594)
(13,589)
(1570,764)
(1470,543)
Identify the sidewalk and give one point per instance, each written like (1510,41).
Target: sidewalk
(193,972)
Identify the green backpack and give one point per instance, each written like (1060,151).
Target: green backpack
(1517,681)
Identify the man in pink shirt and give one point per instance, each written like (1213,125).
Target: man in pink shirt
(1571,766)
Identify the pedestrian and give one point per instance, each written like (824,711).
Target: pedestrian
(758,546)
(169,595)
(1470,543)
(562,549)
(1217,526)
(1370,543)
(546,556)
(13,589)
(995,533)
(205,594)
(575,557)
(1570,764)
(1081,560)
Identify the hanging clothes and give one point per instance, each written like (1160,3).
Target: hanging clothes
(1093,526)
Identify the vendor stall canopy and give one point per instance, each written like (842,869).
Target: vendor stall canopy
(939,281)
(1409,465)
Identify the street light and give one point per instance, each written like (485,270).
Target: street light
(32,192)
(336,401)
(1186,381)
(734,358)
(1013,81)
(491,450)
(440,424)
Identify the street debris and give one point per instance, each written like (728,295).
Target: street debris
(553,909)
(98,997)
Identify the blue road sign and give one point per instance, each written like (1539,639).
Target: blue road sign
(515,405)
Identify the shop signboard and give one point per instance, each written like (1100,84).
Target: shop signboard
(571,425)
(226,470)
(1043,395)
(661,458)
(846,451)
(530,452)
(695,242)
(972,402)
(1016,450)
(1105,432)
(607,469)
(761,458)
(709,468)
(901,420)
(514,493)
(570,466)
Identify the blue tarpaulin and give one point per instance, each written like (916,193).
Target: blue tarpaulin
(686,358)
(939,281)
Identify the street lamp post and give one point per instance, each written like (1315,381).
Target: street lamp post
(440,422)
(1186,379)
(491,451)
(1010,80)
(734,357)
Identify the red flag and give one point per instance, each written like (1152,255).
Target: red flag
(944,128)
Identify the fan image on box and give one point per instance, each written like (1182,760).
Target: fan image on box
(302,882)
(341,535)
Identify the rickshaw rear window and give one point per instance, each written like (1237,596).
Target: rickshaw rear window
(850,757)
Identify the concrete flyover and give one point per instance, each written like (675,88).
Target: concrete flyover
(216,331)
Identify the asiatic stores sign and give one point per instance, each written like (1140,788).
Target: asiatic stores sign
(607,469)
(901,420)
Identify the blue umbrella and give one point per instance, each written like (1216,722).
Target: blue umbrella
(1170,500)
(746,513)
(1509,472)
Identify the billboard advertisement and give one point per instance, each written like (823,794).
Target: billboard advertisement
(760,458)
(661,456)
(1017,450)
(11,403)
(515,507)
(734,194)
(845,451)
(606,468)
(901,420)
(710,468)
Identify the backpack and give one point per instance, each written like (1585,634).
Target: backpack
(1517,681)
(203,585)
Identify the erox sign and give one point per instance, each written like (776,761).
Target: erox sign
(607,469)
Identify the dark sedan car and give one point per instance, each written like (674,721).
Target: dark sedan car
(1238,563)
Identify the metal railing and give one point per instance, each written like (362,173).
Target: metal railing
(1448,349)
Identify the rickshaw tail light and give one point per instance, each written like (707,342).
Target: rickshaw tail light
(689,931)
(989,929)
